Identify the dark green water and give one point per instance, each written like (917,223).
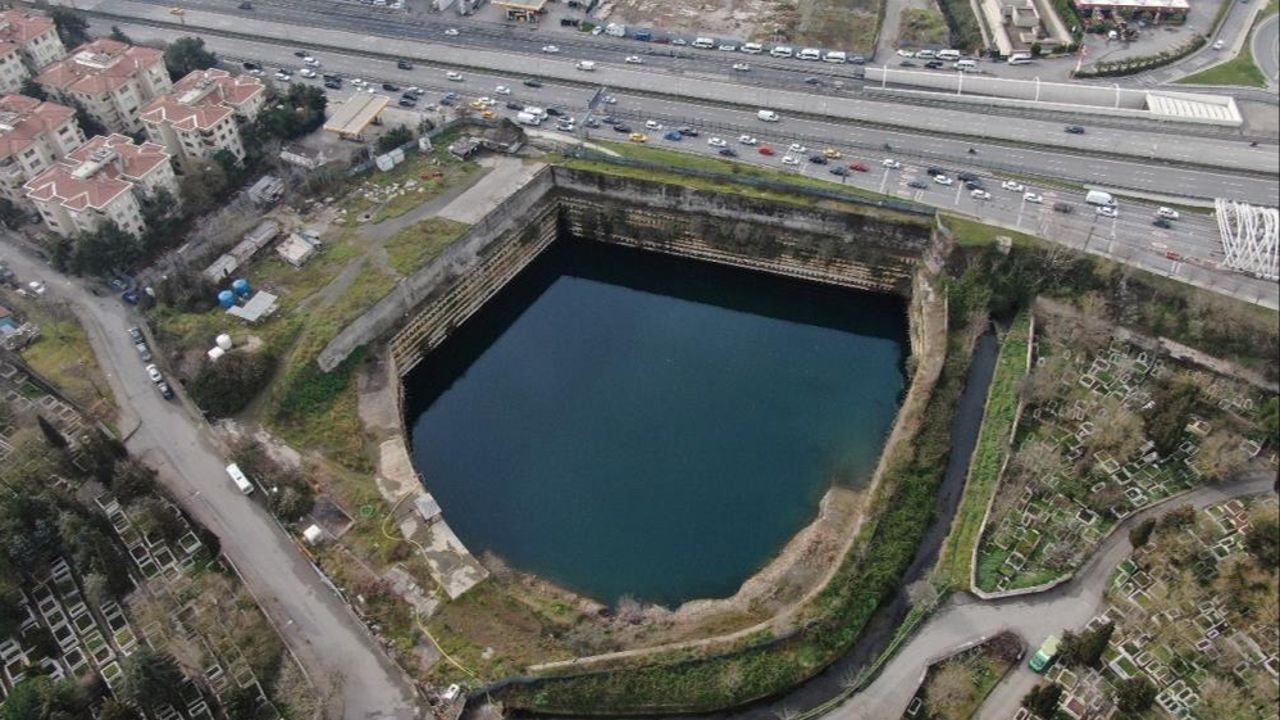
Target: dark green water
(632,424)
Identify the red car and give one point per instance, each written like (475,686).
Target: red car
(860,167)
(765,150)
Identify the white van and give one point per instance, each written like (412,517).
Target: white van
(704,43)
(1020,58)
(528,118)
(752,48)
(540,113)
(1097,197)
(925,54)
(781,51)
(615,30)
(966,64)
(239,478)
(834,56)
(768,116)
(809,54)
(948,55)
(587,65)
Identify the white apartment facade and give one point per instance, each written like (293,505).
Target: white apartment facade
(101,181)
(111,80)
(201,114)
(33,136)
(28,42)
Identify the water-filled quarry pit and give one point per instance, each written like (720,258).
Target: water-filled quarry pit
(625,423)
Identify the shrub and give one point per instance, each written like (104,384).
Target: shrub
(1142,533)
(1043,700)
(1135,695)
(225,386)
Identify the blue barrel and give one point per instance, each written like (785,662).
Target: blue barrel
(226,299)
(240,287)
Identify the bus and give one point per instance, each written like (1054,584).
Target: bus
(1044,656)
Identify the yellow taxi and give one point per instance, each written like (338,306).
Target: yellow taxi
(488,115)
(831,153)
(477,105)
(639,137)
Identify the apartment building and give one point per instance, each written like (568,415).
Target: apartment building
(101,181)
(200,115)
(28,42)
(33,136)
(111,79)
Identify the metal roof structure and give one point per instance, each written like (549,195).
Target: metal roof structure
(356,114)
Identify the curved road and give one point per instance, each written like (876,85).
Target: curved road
(316,624)
(1266,49)
(964,620)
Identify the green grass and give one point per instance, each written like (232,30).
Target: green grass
(419,244)
(988,457)
(972,233)
(921,26)
(434,172)
(63,356)
(1239,70)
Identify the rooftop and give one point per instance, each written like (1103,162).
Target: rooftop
(354,115)
(21,26)
(99,66)
(202,99)
(23,119)
(97,172)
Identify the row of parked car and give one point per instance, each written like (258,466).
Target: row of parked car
(153,372)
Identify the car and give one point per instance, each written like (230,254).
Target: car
(1162,223)
(154,373)
(746,140)
(477,105)
(839,170)
(653,124)
(311,61)
(638,137)
(817,160)
(1168,213)
(790,160)
(1034,198)
(728,47)
(135,333)
(918,184)
(250,65)
(943,180)
(979,194)
(890,163)
(765,150)
(407,102)
(859,167)
(857,60)
(454,76)
(370,89)
(1108,212)
(797,148)
(966,176)
(565,126)
(245,5)
(811,80)
(672,135)
(975,184)
(391,87)
(447,101)
(166,392)
(1047,651)
(301,53)
(905,53)
(742,67)
(931,171)
(513,105)
(907,64)
(554,112)
(1064,208)
(1073,130)
(533,83)
(502,90)
(451,32)
(687,131)
(117,284)
(1218,44)
(283,76)
(1012,186)
(934,64)
(307,73)
(716,142)
(37,287)
(622,128)
(550,49)
(634,60)
(143,351)
(610,120)
(728,152)
(591,122)
(487,101)
(333,84)
(357,82)
(831,153)
(610,100)
(403,65)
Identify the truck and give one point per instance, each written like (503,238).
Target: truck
(1098,197)
(528,118)
(1045,655)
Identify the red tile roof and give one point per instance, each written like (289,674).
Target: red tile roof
(89,178)
(202,99)
(23,119)
(21,26)
(99,66)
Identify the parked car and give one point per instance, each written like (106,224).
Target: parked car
(1108,211)
(765,150)
(797,148)
(639,138)
(513,105)
(135,332)
(454,76)
(979,194)
(830,153)
(1034,198)
(918,184)
(672,135)
(817,160)
(943,180)
(1168,213)
(728,152)
(154,373)
(741,67)
(404,65)
(533,83)
(716,142)
(1162,223)
(502,90)
(634,60)
(143,352)
(934,64)
(790,160)
(860,167)
(622,128)
(390,87)
(746,140)
(688,131)
(166,392)
(407,102)
(653,124)
(839,170)
(1012,186)
(1064,208)
(1074,129)
(550,49)
(891,164)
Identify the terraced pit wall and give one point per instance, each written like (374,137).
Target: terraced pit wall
(832,242)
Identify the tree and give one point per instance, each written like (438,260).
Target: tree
(1178,518)
(1135,695)
(51,435)
(1262,539)
(1220,456)
(1087,647)
(132,479)
(1118,431)
(203,185)
(393,139)
(1043,700)
(225,386)
(1139,535)
(104,251)
(118,35)
(154,517)
(1167,421)
(187,290)
(294,114)
(33,89)
(950,690)
(72,27)
(97,589)
(151,679)
(1271,421)
(113,709)
(41,698)
(241,704)
(186,55)
(88,123)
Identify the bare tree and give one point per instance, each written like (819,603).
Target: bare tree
(950,690)
(922,593)
(1118,433)
(1220,455)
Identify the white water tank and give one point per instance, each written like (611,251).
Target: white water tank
(215,353)
(223,341)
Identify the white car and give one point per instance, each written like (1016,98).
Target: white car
(635,59)
(454,76)
(741,67)
(307,73)
(891,164)
(790,160)
(747,140)
(451,32)
(1108,211)
(717,142)
(797,148)
(550,49)
(1012,186)
(906,54)
(370,89)
(153,372)
(311,61)
(487,101)
(1034,198)
(943,180)
(1218,44)
(357,82)
(729,47)
(502,90)
(610,100)
(283,76)
(653,124)
(980,194)
(1167,213)
(36,286)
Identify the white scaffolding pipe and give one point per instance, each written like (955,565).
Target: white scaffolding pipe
(1250,238)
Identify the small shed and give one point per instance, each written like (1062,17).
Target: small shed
(260,306)
(267,191)
(464,147)
(221,268)
(296,249)
(427,507)
(350,120)
(313,535)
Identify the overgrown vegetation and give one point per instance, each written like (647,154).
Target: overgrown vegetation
(224,387)
(966,34)
(1133,66)
(419,244)
(955,688)
(186,54)
(72,27)
(920,27)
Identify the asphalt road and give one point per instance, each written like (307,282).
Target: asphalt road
(319,628)
(711,89)
(1265,47)
(965,620)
